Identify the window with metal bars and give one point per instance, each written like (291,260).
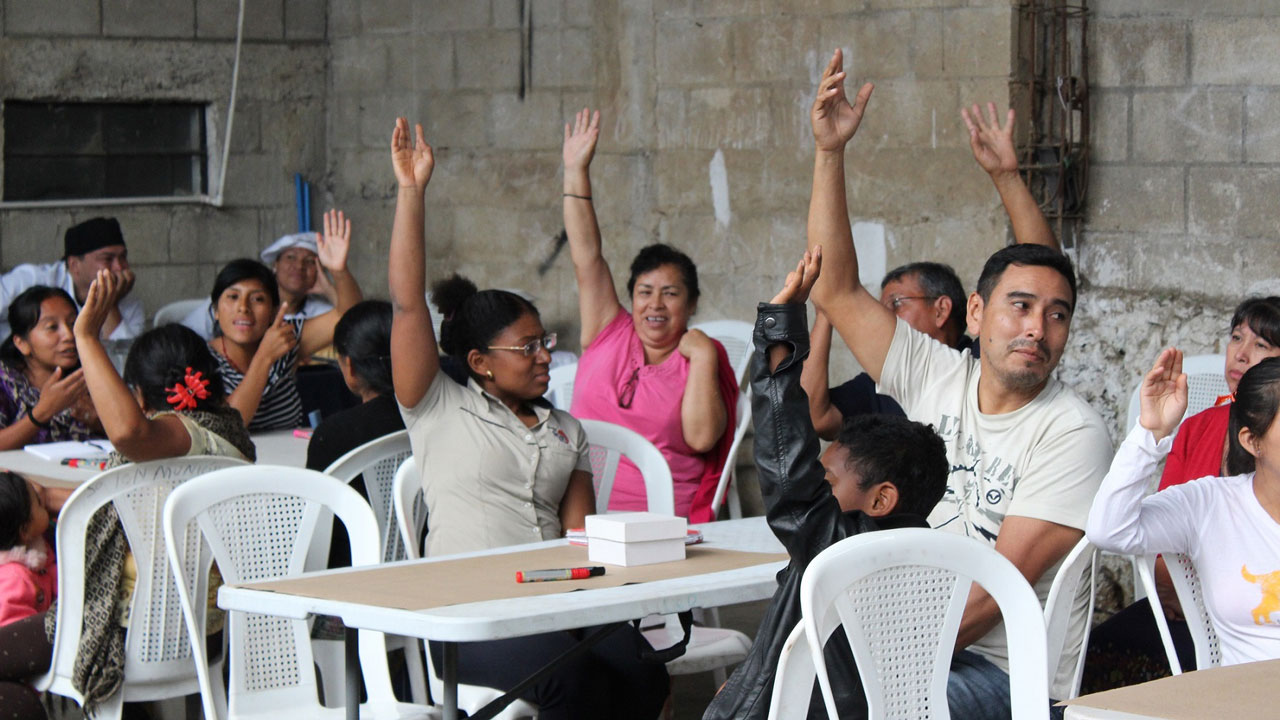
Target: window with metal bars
(57,151)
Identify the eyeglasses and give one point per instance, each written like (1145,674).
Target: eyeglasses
(629,390)
(896,303)
(546,342)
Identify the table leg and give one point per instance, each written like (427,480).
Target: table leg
(351,658)
(449,711)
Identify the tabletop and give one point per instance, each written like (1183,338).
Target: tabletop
(511,617)
(278,447)
(1241,692)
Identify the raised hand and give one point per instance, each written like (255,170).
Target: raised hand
(279,340)
(992,144)
(795,289)
(104,292)
(833,118)
(59,393)
(1164,395)
(580,138)
(412,162)
(334,243)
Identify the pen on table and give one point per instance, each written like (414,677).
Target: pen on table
(85,463)
(578,573)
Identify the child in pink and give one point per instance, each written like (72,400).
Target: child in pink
(28,572)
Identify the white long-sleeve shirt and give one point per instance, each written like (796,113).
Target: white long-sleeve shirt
(133,320)
(1232,541)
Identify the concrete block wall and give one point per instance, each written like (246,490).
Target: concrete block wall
(693,95)
(1180,223)
(112,50)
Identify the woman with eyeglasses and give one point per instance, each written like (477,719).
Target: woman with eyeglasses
(499,466)
(645,369)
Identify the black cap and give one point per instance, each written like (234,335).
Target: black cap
(91,235)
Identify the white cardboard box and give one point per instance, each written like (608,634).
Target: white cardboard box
(638,538)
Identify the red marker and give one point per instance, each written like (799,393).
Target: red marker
(581,573)
(85,463)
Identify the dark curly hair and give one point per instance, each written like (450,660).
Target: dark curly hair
(887,448)
(652,257)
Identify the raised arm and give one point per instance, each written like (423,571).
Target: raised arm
(129,430)
(597,297)
(866,326)
(992,147)
(333,246)
(815,379)
(415,360)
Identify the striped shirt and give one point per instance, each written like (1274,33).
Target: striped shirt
(281,406)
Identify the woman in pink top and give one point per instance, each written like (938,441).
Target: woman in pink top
(645,369)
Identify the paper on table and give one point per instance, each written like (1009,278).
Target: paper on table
(58,451)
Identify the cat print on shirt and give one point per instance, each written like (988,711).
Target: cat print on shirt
(1270,585)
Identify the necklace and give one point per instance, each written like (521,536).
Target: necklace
(227,357)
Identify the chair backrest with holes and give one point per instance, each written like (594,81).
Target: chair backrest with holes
(257,523)
(410,508)
(157,653)
(610,443)
(899,595)
(177,310)
(1205,384)
(1191,596)
(735,336)
(376,462)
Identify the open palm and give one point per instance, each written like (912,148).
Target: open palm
(334,243)
(580,139)
(1163,394)
(992,144)
(413,162)
(833,118)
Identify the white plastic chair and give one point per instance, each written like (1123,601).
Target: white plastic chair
(175,311)
(1206,382)
(1071,593)
(609,444)
(158,660)
(560,389)
(899,595)
(710,648)
(1186,583)
(376,462)
(735,336)
(793,680)
(411,517)
(257,523)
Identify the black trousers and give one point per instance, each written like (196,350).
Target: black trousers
(608,681)
(25,652)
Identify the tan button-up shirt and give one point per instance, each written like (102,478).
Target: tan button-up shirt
(488,480)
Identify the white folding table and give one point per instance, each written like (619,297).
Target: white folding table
(514,617)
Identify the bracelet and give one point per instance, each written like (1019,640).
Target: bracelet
(42,425)
(580,197)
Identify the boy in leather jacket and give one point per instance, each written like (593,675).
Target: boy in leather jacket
(881,472)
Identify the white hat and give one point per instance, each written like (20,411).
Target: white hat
(306,241)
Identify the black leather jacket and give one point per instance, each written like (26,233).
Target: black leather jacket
(802,513)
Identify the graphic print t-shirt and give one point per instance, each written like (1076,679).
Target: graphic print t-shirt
(1044,460)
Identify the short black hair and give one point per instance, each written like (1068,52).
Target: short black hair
(15,508)
(1261,315)
(652,257)
(24,313)
(472,317)
(1257,401)
(936,280)
(889,448)
(159,359)
(1024,255)
(363,336)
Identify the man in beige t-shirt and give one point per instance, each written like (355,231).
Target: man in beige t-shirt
(1026,453)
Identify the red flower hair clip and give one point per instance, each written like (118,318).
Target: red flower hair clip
(192,388)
